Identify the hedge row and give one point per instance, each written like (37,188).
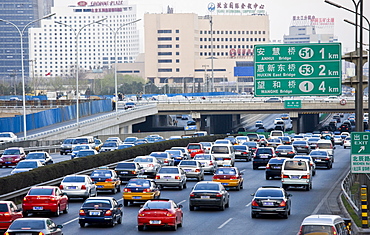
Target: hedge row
(22,180)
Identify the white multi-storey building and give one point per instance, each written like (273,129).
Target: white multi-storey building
(53,46)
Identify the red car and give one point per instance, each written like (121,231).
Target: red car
(160,213)
(194,149)
(8,213)
(45,199)
(12,156)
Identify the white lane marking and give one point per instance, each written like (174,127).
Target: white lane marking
(242,170)
(68,222)
(248,204)
(181,202)
(227,221)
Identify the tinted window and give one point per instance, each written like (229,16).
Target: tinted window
(239,147)
(269,193)
(188,163)
(11,152)
(206,187)
(3,207)
(295,165)
(138,183)
(35,156)
(158,205)
(250,144)
(220,149)
(299,142)
(68,141)
(26,165)
(110,144)
(41,191)
(101,173)
(169,170)
(226,171)
(276,161)
(284,147)
(81,141)
(194,147)
(264,151)
(97,203)
(317,229)
(126,165)
(74,179)
(27,224)
(143,160)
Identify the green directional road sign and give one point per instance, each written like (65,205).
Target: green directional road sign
(360,152)
(297,69)
(292,104)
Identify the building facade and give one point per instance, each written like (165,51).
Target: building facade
(20,13)
(202,52)
(53,45)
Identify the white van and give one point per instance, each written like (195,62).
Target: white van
(324,224)
(297,173)
(276,134)
(224,154)
(89,140)
(326,145)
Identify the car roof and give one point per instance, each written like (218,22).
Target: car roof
(321,219)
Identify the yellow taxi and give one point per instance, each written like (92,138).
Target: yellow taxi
(140,190)
(106,179)
(98,144)
(229,177)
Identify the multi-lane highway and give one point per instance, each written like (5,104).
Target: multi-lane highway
(234,220)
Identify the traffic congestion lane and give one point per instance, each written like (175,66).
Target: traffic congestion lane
(236,219)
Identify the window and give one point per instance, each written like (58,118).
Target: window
(164,53)
(177,61)
(177,53)
(164,70)
(164,46)
(177,70)
(177,38)
(177,31)
(164,38)
(177,46)
(165,31)
(164,61)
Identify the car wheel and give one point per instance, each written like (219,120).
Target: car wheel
(285,187)
(222,207)
(227,204)
(82,224)
(174,228)
(254,215)
(328,166)
(140,227)
(125,203)
(345,147)
(57,213)
(285,216)
(289,212)
(185,185)
(111,223)
(202,177)
(191,208)
(181,187)
(314,173)
(119,221)
(180,224)
(307,187)
(199,179)
(65,211)
(238,187)
(267,177)
(118,188)
(255,167)
(114,191)
(25,213)
(311,185)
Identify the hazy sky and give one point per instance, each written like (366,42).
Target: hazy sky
(280,12)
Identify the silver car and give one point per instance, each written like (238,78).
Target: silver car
(193,169)
(150,164)
(171,176)
(207,161)
(78,186)
(34,226)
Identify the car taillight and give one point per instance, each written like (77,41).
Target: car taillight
(245,153)
(284,176)
(133,172)
(300,230)
(61,186)
(277,151)
(92,179)
(165,161)
(327,158)
(305,177)
(53,199)
(197,170)
(108,213)
(177,177)
(215,177)
(291,152)
(127,190)
(147,190)
(82,212)
(150,165)
(283,203)
(210,163)
(254,203)
(108,180)
(83,187)
(334,232)
(227,159)
(41,233)
(234,177)
(218,195)
(268,166)
(192,195)
(157,177)
(169,214)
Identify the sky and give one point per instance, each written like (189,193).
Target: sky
(280,13)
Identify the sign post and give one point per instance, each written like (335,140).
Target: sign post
(297,69)
(360,152)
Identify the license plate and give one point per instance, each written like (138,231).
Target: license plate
(268,203)
(187,170)
(124,172)
(205,197)
(225,183)
(72,187)
(136,197)
(7,162)
(284,153)
(100,186)
(295,177)
(318,160)
(38,208)
(155,222)
(277,167)
(23,234)
(264,156)
(203,164)
(167,177)
(94,213)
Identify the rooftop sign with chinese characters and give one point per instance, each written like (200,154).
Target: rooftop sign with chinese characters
(297,69)
(237,7)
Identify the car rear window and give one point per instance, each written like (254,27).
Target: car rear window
(41,191)
(276,161)
(239,147)
(97,204)
(317,229)
(264,151)
(68,141)
(269,193)
(194,146)
(81,141)
(24,164)
(11,152)
(324,145)
(220,149)
(143,160)
(295,165)
(191,163)
(284,147)
(299,142)
(169,170)
(101,173)
(3,207)
(29,224)
(225,171)
(76,179)
(157,205)
(138,183)
(202,157)
(126,165)
(206,187)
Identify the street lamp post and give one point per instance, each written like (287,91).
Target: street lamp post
(166,81)
(21,32)
(77,33)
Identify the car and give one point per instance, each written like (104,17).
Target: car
(151,165)
(209,194)
(269,200)
(229,177)
(12,156)
(346,127)
(191,123)
(310,160)
(6,137)
(45,199)
(263,140)
(153,138)
(66,146)
(285,151)
(174,137)
(274,143)
(129,105)
(262,156)
(284,116)
(258,123)
(140,190)
(241,139)
(252,146)
(130,140)
(325,224)
(140,141)
(106,179)
(89,140)
(331,99)
(322,158)
(312,141)
(165,158)
(184,151)
(298,137)
(192,169)
(26,165)
(326,145)
(207,161)
(337,117)
(76,149)
(301,146)
(128,170)
(338,140)
(125,146)
(34,226)
(286,140)
(223,141)
(43,157)
(160,213)
(195,148)
(273,167)
(86,152)
(242,152)
(347,142)
(100,210)
(207,146)
(296,173)
(98,143)
(78,186)
(184,117)
(8,213)
(224,154)
(176,155)
(171,176)
(114,139)
(109,146)
(232,139)
(273,100)
(278,121)
(253,137)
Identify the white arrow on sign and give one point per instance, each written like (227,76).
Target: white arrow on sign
(362,148)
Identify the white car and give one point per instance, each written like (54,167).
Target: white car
(78,186)
(338,140)
(114,139)
(76,149)
(7,137)
(278,120)
(151,165)
(184,151)
(207,161)
(347,142)
(109,146)
(26,165)
(332,99)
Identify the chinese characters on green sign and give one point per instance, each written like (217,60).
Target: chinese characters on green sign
(360,152)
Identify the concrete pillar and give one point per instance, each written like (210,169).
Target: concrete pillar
(295,127)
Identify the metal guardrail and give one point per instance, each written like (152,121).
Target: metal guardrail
(346,185)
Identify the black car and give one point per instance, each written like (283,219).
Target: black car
(273,167)
(100,210)
(252,146)
(34,226)
(302,146)
(269,200)
(242,152)
(209,194)
(128,170)
(262,156)
(322,158)
(285,151)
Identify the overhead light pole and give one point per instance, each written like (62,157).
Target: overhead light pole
(21,32)
(77,33)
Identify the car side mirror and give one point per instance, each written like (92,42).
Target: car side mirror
(19,210)
(64,194)
(180,206)
(290,195)
(59,226)
(252,194)
(242,173)
(119,205)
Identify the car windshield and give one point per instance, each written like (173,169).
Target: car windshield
(194,146)
(225,171)
(295,165)
(35,156)
(3,207)
(130,139)
(317,229)
(202,157)
(220,149)
(159,155)
(207,186)
(80,141)
(68,141)
(157,205)
(24,164)
(172,170)
(143,159)
(188,163)
(239,147)
(74,179)
(97,204)
(41,191)
(124,146)
(79,147)
(319,153)
(101,173)
(110,144)
(250,144)
(269,193)
(126,165)
(12,152)
(27,225)
(264,151)
(5,135)
(138,183)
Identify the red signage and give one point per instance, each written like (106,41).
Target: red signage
(82,3)
(240,52)
(106,3)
